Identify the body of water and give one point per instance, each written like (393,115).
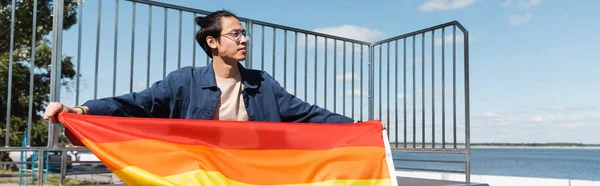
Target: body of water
(580,164)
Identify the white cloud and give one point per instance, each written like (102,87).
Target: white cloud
(291,91)
(440,5)
(517,20)
(537,119)
(348,77)
(401,96)
(522,4)
(559,120)
(449,38)
(353,32)
(357,92)
(525,124)
(489,114)
(346,31)
(567,109)
(492,116)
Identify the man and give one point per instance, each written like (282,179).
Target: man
(224,90)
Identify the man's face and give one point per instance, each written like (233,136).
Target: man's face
(232,45)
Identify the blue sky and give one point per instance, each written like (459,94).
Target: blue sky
(532,62)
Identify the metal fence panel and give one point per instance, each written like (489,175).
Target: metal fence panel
(140,41)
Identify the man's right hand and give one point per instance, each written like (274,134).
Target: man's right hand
(54,108)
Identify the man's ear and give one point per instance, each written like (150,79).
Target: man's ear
(212,42)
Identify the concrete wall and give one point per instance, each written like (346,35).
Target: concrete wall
(499,180)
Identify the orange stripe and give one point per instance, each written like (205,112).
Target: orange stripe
(247,166)
(225,134)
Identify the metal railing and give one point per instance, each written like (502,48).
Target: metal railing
(340,74)
(433,61)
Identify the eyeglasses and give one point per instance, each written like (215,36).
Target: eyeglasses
(236,35)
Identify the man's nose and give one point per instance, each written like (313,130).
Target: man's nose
(244,40)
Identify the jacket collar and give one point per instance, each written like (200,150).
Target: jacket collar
(208,75)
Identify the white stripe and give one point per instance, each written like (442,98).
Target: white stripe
(389,159)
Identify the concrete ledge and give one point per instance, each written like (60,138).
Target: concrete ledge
(405,181)
(497,180)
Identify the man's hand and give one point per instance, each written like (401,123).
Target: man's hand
(54,108)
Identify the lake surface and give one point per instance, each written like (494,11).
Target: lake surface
(581,164)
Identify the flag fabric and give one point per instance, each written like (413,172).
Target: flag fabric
(151,151)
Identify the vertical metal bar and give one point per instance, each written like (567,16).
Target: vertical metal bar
(207,60)
(380,89)
(295,62)
(396,90)
(361,81)
(165,45)
(10,67)
(80,12)
(334,74)
(443,89)
(149,44)
(352,88)
(179,44)
(132,47)
(388,90)
(31,74)
(55,74)
(306,67)
(325,76)
(63,168)
(97,49)
(262,48)
(250,53)
(423,89)
(433,89)
(371,86)
(414,95)
(114,88)
(454,81)
(369,62)
(284,58)
(274,50)
(467,108)
(315,80)
(194,40)
(344,79)
(40,163)
(404,95)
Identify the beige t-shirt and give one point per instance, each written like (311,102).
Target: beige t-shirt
(230,105)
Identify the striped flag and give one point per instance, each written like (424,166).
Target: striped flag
(150,151)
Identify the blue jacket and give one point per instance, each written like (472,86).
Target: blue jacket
(191,93)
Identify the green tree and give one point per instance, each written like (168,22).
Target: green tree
(22,63)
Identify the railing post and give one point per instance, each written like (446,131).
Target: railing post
(249,50)
(57,31)
(40,166)
(371,87)
(467,114)
(63,168)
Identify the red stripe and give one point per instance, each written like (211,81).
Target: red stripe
(226,134)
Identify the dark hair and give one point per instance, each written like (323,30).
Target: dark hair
(210,25)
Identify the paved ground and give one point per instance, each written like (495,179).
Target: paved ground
(404,181)
(102,178)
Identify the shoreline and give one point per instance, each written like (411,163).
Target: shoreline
(532,147)
(462,146)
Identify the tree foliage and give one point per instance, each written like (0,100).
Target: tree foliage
(22,60)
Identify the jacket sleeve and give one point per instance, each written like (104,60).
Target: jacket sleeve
(293,109)
(154,101)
